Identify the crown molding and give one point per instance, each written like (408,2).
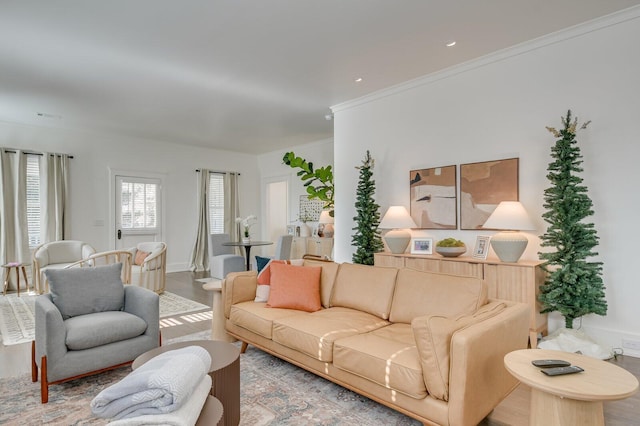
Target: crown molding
(500,55)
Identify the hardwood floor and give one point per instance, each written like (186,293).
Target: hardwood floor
(513,411)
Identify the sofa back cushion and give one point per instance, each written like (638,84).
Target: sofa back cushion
(365,288)
(419,293)
(327,279)
(80,291)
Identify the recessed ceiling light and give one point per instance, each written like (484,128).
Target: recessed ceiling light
(451,43)
(358,80)
(47,115)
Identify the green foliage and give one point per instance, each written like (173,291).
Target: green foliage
(318,182)
(450,242)
(367,238)
(574,286)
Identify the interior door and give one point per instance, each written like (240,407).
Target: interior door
(138,206)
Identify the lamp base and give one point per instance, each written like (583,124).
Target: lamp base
(509,245)
(328,230)
(397,240)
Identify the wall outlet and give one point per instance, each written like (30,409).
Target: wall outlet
(631,344)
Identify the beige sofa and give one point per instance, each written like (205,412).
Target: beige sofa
(428,345)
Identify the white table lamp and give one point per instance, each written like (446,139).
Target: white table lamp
(510,217)
(327,220)
(397,219)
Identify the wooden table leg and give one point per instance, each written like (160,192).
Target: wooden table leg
(26,281)
(6,271)
(18,280)
(549,410)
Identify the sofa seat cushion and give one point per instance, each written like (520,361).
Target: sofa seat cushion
(315,333)
(256,317)
(387,356)
(102,328)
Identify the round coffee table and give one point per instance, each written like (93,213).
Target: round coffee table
(225,372)
(572,399)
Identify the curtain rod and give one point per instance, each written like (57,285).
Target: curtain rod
(11,151)
(218,171)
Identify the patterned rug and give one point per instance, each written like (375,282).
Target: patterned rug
(17,314)
(273,392)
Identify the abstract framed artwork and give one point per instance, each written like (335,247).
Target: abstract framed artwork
(433,197)
(483,186)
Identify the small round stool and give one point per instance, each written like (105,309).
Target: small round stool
(9,266)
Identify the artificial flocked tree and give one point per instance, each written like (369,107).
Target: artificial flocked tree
(367,238)
(574,285)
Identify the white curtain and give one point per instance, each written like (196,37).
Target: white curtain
(54,183)
(14,234)
(231,206)
(200,253)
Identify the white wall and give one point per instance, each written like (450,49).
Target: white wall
(498,107)
(271,167)
(94,154)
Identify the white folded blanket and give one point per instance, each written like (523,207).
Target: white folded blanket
(186,415)
(159,386)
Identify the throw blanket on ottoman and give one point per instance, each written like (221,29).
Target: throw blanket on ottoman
(159,386)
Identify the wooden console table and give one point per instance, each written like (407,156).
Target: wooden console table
(519,282)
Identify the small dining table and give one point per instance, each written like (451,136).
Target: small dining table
(247,248)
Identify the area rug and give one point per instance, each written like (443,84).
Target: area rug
(17,314)
(273,392)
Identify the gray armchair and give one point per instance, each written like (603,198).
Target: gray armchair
(90,322)
(222,259)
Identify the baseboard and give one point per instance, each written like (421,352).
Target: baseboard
(613,339)
(177,267)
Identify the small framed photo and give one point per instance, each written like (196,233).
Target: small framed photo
(291,230)
(422,246)
(482,247)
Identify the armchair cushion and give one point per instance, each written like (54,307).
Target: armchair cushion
(102,328)
(140,257)
(73,296)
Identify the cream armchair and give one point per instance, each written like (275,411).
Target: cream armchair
(57,255)
(149,266)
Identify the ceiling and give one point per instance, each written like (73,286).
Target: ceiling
(243,75)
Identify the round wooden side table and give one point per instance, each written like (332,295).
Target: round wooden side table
(225,373)
(218,331)
(572,399)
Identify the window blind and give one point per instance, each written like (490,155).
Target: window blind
(33,200)
(216,203)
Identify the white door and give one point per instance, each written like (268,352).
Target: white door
(276,209)
(138,207)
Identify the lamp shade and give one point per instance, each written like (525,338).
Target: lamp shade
(325,217)
(510,215)
(397,217)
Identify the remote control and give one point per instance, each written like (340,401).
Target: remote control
(550,363)
(558,371)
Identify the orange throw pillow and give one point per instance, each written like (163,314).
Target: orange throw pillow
(295,287)
(140,257)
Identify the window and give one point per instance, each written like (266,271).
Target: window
(216,203)
(33,200)
(138,205)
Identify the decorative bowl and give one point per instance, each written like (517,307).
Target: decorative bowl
(451,251)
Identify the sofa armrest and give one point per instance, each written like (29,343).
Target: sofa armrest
(478,380)
(145,304)
(49,330)
(238,287)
